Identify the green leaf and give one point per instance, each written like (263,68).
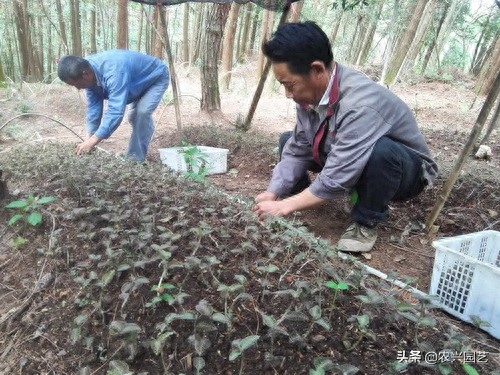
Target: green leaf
(234,354)
(445,369)
(119,367)
(363,320)
(18,242)
(34,218)
(157,345)
(123,267)
(270,268)
(14,219)
(469,369)
(107,277)
(315,312)
(363,298)
(119,327)
(353,197)
(17,204)
(248,342)
(44,200)
(427,321)
(333,285)
(221,318)
(269,321)
(167,297)
(323,363)
(323,323)
(166,255)
(404,306)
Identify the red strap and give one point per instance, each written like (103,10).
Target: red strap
(332,100)
(317,140)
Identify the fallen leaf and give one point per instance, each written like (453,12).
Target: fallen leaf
(399,258)
(493,213)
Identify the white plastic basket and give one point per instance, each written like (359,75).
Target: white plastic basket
(466,277)
(212,158)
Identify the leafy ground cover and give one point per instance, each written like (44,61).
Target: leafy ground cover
(135,270)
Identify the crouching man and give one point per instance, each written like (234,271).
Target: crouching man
(356,134)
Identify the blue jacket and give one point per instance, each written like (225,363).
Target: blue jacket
(122,77)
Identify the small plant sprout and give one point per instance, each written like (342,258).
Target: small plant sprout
(238,346)
(321,366)
(28,210)
(161,294)
(336,287)
(128,333)
(196,162)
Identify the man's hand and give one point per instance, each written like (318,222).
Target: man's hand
(87,145)
(267,203)
(265,196)
(272,208)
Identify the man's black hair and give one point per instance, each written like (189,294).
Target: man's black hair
(299,44)
(72,67)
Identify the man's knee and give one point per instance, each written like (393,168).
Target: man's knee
(284,137)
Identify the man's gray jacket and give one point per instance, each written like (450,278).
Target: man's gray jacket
(363,112)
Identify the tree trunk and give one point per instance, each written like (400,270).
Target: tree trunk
(494,124)
(335,30)
(2,76)
(258,91)
(390,41)
(357,38)
(404,44)
(23,37)
(62,26)
(479,50)
(255,22)
(76,28)
(432,45)
(295,10)
(489,70)
(476,130)
(199,31)
(264,36)
(159,27)
(185,34)
(38,53)
(368,40)
(122,25)
(173,75)
(418,41)
(245,31)
(210,95)
(93,27)
(228,45)
(446,28)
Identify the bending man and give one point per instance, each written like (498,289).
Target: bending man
(121,77)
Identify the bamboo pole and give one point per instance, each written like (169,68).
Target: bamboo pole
(263,77)
(474,134)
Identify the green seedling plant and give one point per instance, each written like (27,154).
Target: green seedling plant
(28,210)
(238,346)
(196,162)
(335,287)
(161,294)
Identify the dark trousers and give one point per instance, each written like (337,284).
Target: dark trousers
(393,173)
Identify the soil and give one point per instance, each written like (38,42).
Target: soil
(446,112)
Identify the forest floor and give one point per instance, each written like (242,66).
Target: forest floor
(446,112)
